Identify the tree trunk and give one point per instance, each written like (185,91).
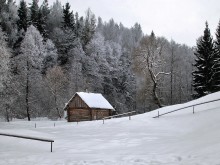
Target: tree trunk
(171,76)
(7,113)
(155,96)
(57,109)
(27,92)
(156,99)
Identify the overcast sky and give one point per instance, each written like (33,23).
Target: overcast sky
(180,20)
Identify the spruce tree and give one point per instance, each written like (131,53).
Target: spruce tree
(68,17)
(42,19)
(2,5)
(78,26)
(89,28)
(216,61)
(23,18)
(34,13)
(203,75)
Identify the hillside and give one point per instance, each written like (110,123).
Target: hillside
(180,138)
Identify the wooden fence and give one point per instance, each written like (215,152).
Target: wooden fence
(193,108)
(28,137)
(128,113)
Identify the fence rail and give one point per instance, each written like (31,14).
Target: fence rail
(128,113)
(194,105)
(28,137)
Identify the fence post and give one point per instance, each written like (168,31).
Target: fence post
(35,125)
(103,121)
(129,116)
(54,124)
(193,110)
(51,146)
(158,114)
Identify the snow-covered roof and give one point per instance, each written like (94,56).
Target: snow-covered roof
(93,100)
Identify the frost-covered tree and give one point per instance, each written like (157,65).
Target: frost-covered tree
(64,41)
(76,79)
(31,57)
(89,28)
(5,58)
(55,80)
(45,9)
(55,17)
(79,26)
(9,19)
(50,59)
(2,5)
(5,77)
(95,58)
(137,34)
(203,75)
(150,57)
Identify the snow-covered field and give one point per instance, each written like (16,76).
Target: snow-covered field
(181,138)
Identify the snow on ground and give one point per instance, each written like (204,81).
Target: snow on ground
(181,138)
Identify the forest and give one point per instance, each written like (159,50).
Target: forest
(50,52)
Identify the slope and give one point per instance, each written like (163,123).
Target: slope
(180,138)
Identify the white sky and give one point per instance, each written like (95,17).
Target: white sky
(180,20)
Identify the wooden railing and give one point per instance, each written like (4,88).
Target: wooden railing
(193,106)
(128,113)
(28,137)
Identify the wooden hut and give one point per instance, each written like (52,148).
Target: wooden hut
(87,106)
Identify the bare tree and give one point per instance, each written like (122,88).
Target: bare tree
(150,58)
(56,81)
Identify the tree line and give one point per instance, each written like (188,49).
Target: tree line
(49,53)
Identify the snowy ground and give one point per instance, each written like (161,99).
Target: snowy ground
(180,138)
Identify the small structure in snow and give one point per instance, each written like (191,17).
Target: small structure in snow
(87,106)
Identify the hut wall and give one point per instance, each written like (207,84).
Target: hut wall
(75,115)
(98,114)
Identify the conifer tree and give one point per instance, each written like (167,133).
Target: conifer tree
(68,17)
(23,18)
(2,5)
(45,8)
(42,19)
(8,21)
(216,61)
(203,75)
(34,13)
(89,28)
(78,25)
(55,17)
